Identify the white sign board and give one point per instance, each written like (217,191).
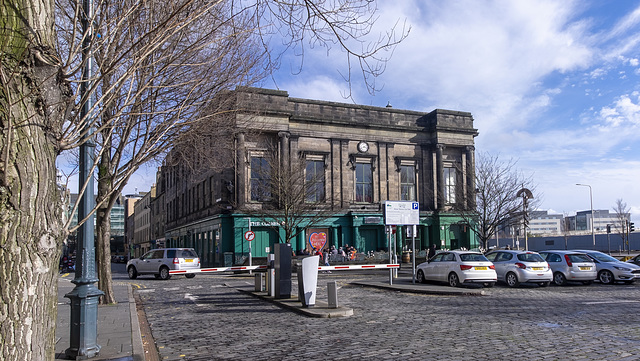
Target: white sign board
(400,213)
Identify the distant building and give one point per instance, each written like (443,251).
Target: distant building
(601,218)
(541,222)
(129,228)
(142,239)
(117,225)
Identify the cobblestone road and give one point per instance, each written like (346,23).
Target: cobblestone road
(201,319)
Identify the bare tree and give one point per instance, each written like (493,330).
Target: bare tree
(143,99)
(622,216)
(498,196)
(289,193)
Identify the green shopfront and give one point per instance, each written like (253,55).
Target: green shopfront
(219,240)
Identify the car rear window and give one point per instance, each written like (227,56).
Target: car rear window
(181,253)
(473,257)
(580,258)
(530,257)
(187,253)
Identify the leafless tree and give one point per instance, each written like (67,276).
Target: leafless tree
(146,92)
(622,216)
(290,194)
(498,184)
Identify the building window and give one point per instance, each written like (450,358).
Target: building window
(260,175)
(407,183)
(314,181)
(449,185)
(364,183)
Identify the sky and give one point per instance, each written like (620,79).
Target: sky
(554,85)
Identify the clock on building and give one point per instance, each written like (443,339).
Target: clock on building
(363,147)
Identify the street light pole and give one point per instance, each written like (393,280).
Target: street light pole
(593,231)
(83,333)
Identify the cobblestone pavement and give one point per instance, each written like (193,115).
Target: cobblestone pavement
(202,319)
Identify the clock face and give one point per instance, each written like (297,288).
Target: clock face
(363,147)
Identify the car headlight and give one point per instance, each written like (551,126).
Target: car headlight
(621,268)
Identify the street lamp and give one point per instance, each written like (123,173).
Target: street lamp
(593,231)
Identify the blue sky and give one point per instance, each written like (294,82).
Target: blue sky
(553,84)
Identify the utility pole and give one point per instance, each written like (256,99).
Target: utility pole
(84,297)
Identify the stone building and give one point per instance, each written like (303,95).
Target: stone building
(360,157)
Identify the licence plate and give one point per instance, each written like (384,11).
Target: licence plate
(188,260)
(585,268)
(536,268)
(481,268)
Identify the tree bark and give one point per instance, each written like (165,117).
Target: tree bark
(103,236)
(33,102)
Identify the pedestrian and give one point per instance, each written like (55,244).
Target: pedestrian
(326,259)
(431,251)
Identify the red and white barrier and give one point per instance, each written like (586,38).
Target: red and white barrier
(320,268)
(219,269)
(365,266)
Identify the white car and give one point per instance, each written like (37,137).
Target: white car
(159,262)
(457,268)
(516,267)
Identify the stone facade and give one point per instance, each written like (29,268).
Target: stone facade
(366,156)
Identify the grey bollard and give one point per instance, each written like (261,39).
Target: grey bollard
(271,273)
(332,291)
(259,282)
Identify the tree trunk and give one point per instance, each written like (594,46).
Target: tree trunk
(103,254)
(33,101)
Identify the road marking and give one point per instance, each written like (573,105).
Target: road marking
(194,287)
(171,288)
(192,298)
(147,290)
(612,302)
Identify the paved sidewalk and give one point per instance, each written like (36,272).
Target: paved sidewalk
(118,328)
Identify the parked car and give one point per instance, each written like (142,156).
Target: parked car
(457,268)
(570,266)
(515,267)
(158,262)
(611,270)
(635,260)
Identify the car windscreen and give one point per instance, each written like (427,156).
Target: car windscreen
(473,257)
(603,257)
(530,257)
(580,258)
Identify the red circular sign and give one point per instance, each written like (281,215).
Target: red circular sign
(249,235)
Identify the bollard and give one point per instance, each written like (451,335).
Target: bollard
(259,282)
(332,291)
(271,273)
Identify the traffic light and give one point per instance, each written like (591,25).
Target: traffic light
(631,227)
(608,228)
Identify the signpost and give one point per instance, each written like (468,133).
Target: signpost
(249,236)
(401,213)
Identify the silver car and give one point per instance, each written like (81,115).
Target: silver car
(158,262)
(514,267)
(611,270)
(570,266)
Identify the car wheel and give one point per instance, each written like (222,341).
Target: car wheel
(559,279)
(543,284)
(454,281)
(164,273)
(489,284)
(512,280)
(586,283)
(190,275)
(420,277)
(606,277)
(133,274)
